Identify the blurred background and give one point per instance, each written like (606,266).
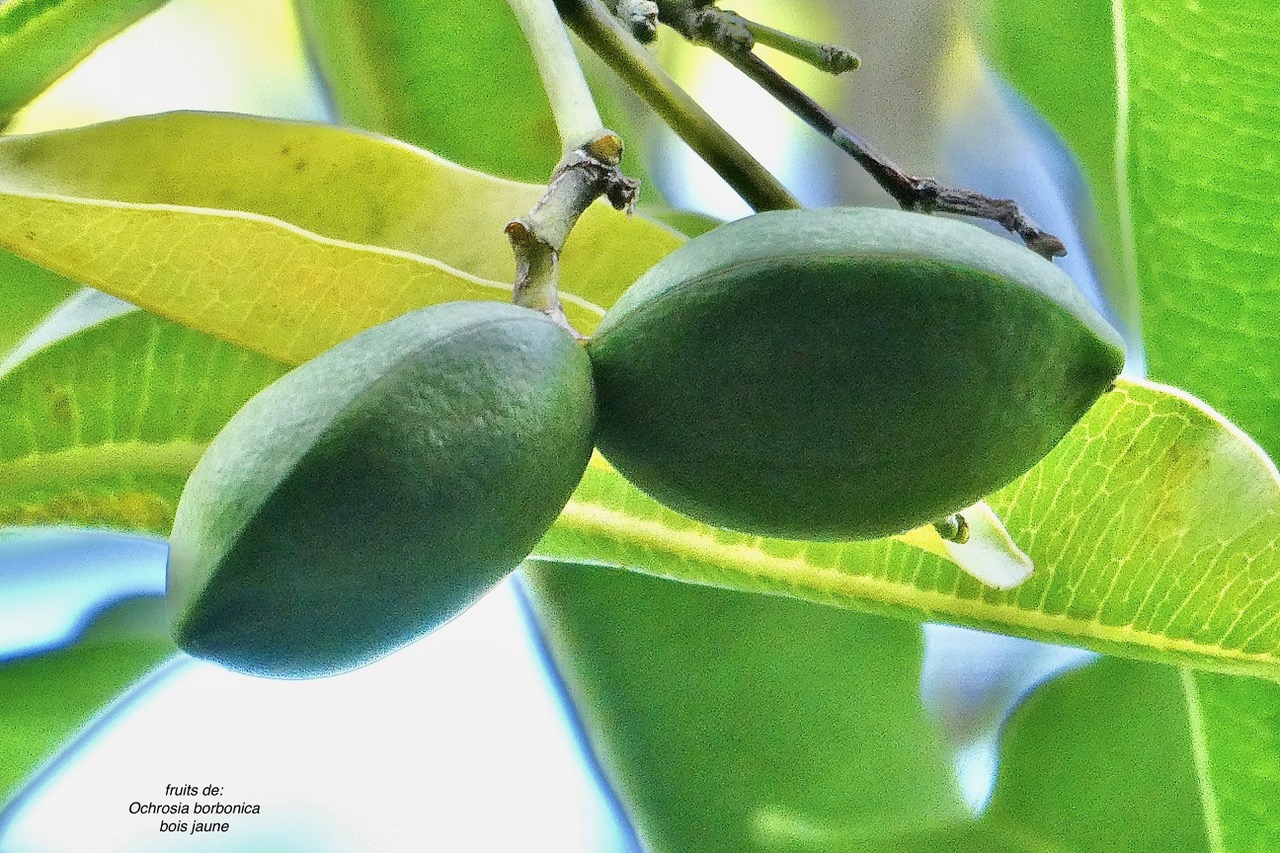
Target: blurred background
(462,741)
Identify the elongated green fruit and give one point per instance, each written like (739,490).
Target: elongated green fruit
(843,373)
(378,490)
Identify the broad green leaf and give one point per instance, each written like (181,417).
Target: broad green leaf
(1124,756)
(1099,760)
(1187,92)
(1236,747)
(455,78)
(255,282)
(1062,58)
(1200,157)
(46,698)
(735,722)
(27,294)
(102,427)
(40,40)
(1152,527)
(286,237)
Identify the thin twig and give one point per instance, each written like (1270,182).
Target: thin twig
(732,37)
(911,193)
(594,24)
(831,58)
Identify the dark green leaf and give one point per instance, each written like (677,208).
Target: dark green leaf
(735,722)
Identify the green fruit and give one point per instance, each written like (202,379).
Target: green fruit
(378,490)
(843,373)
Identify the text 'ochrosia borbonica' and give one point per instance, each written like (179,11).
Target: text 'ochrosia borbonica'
(378,490)
(843,373)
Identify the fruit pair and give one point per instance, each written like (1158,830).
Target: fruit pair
(821,374)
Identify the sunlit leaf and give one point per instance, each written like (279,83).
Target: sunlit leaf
(40,40)
(286,237)
(102,427)
(1203,171)
(1152,528)
(734,722)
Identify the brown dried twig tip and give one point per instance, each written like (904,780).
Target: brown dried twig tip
(911,193)
(933,198)
(733,37)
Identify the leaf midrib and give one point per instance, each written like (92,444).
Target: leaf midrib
(83,465)
(827,585)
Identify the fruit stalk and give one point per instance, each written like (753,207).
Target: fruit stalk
(586,173)
(575,112)
(589,169)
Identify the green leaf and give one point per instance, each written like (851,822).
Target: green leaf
(102,427)
(458,80)
(1152,527)
(1202,177)
(734,722)
(28,293)
(1099,760)
(1123,756)
(44,699)
(1188,92)
(1236,748)
(252,244)
(40,40)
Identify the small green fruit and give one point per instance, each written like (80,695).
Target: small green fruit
(843,373)
(378,490)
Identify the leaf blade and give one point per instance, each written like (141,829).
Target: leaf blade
(728,722)
(439,231)
(103,426)
(1218,482)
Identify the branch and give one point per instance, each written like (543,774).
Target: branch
(586,173)
(731,37)
(594,24)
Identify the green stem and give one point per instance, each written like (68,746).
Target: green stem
(830,58)
(593,23)
(574,109)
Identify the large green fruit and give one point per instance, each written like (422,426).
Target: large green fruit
(378,490)
(843,373)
